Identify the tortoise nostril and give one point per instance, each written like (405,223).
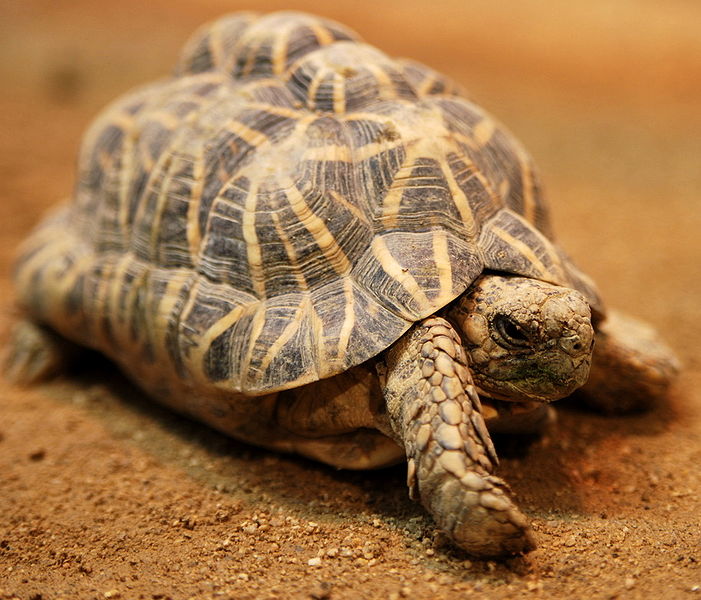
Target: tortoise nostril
(572,344)
(575,345)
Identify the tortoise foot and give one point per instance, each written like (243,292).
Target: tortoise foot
(35,353)
(632,367)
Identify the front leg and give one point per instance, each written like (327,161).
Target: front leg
(632,368)
(435,415)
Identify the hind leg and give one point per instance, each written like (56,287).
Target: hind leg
(35,353)
(336,421)
(332,420)
(632,368)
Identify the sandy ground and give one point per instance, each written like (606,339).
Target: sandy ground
(105,495)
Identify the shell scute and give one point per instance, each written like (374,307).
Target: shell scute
(224,255)
(347,77)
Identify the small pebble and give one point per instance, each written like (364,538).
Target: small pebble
(37,455)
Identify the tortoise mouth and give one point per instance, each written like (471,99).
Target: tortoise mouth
(538,383)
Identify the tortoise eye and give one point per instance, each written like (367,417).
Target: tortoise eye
(511,332)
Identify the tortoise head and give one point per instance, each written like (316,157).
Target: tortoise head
(527,340)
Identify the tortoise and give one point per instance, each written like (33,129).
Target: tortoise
(318,249)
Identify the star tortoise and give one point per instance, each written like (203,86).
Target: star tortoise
(319,249)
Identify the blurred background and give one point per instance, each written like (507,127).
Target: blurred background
(605,95)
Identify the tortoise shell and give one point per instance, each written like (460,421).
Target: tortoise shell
(281,209)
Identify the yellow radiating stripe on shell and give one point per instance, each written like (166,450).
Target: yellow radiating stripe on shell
(115,285)
(400,274)
(130,300)
(257,326)
(192,229)
(141,207)
(215,45)
(99,303)
(524,249)
(384,82)
(483,131)
(494,196)
(169,156)
(279,52)
(313,88)
(290,250)
(415,150)
(158,210)
(125,174)
(330,152)
(392,201)
(339,94)
(190,302)
(350,207)
(427,84)
(253,137)
(317,228)
(290,329)
(527,186)
(250,236)
(348,319)
(164,163)
(280,111)
(556,260)
(441,257)
(167,119)
(464,139)
(459,199)
(319,340)
(250,57)
(177,280)
(200,349)
(322,34)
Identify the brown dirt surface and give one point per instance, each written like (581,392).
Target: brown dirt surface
(105,495)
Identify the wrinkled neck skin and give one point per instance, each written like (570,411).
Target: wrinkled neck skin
(527,341)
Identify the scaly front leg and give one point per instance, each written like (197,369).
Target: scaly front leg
(435,414)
